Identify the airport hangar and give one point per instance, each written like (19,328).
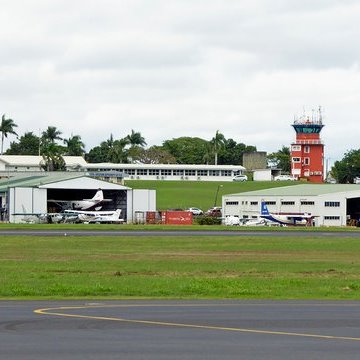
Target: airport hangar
(331,204)
(21,195)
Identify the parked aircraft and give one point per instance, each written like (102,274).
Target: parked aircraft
(96,216)
(304,219)
(84,204)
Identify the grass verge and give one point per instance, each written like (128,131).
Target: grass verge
(181,267)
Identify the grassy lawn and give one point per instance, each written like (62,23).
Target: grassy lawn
(181,267)
(184,194)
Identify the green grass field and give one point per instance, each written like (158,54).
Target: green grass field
(184,194)
(179,267)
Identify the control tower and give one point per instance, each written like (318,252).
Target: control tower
(307,152)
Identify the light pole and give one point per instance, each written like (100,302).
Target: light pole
(217,192)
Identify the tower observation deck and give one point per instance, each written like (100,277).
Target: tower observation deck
(307,151)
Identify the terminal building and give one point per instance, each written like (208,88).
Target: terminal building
(330,204)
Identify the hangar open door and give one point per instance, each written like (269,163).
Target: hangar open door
(353,209)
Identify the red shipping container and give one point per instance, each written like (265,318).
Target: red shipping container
(177,217)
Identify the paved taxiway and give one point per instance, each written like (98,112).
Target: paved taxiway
(187,330)
(260,233)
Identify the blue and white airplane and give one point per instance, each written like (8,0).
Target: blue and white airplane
(303,219)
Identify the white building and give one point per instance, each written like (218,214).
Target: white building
(22,196)
(331,204)
(23,163)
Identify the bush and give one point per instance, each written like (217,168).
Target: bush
(208,220)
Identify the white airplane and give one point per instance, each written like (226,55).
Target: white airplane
(89,217)
(83,204)
(304,219)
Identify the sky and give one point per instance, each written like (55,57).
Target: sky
(171,68)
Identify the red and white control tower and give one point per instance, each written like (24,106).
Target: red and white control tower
(307,152)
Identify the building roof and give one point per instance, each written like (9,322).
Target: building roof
(162,166)
(58,180)
(302,190)
(34,160)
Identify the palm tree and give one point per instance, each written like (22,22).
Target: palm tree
(75,147)
(51,134)
(135,139)
(6,127)
(218,143)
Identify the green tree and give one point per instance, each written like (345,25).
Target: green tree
(28,144)
(281,159)
(7,127)
(187,150)
(232,152)
(218,143)
(135,139)
(74,146)
(51,134)
(52,157)
(154,155)
(345,170)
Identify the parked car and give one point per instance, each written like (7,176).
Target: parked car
(240,178)
(357,180)
(195,211)
(214,211)
(285,178)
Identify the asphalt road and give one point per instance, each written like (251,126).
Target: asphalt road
(186,330)
(54,232)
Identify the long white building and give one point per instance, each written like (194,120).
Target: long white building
(20,163)
(331,204)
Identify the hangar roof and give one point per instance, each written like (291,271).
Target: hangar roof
(302,190)
(55,180)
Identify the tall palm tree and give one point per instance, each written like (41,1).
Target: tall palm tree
(6,127)
(135,139)
(218,143)
(51,134)
(75,147)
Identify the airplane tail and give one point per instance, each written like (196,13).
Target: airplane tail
(264,209)
(99,196)
(116,214)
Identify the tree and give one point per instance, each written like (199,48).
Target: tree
(187,150)
(281,159)
(135,139)
(7,127)
(218,143)
(75,147)
(51,134)
(52,157)
(345,170)
(232,152)
(28,145)
(154,155)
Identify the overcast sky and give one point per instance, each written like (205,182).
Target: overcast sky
(171,68)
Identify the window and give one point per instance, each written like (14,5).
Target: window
(307,149)
(225,172)
(178,172)
(130,171)
(296,148)
(190,172)
(306,161)
(232,203)
(141,171)
(270,202)
(202,172)
(254,203)
(304,202)
(332,203)
(154,172)
(296,159)
(214,172)
(331,217)
(288,203)
(165,172)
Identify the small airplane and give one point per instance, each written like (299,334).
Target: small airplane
(84,204)
(304,219)
(39,218)
(89,217)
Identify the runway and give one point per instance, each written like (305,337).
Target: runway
(156,330)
